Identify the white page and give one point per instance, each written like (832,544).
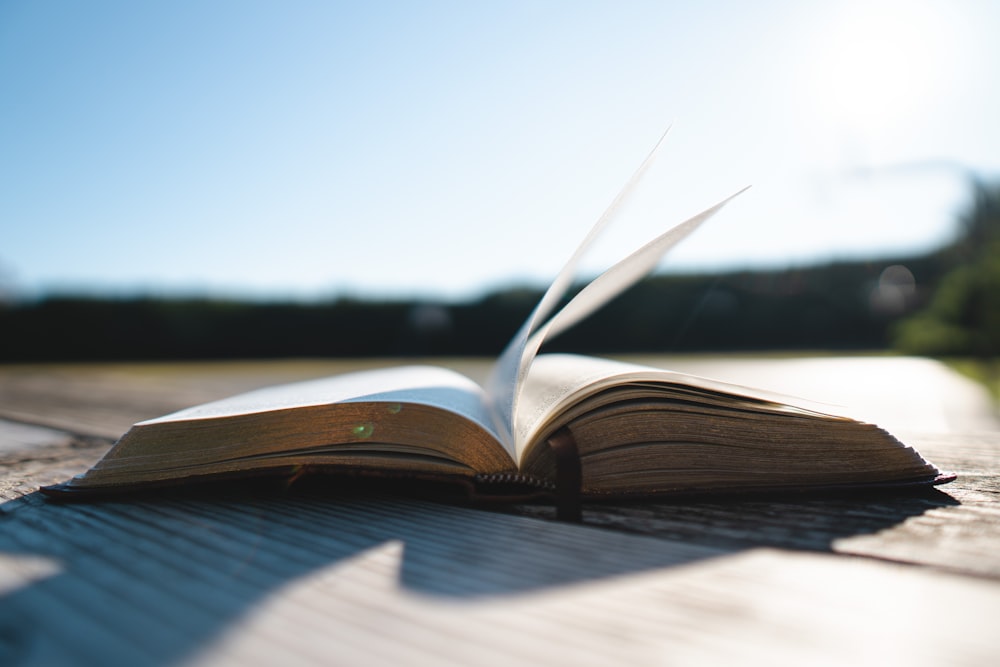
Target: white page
(606,287)
(621,276)
(508,372)
(507,378)
(425,385)
(557,381)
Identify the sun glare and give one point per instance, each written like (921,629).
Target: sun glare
(880,62)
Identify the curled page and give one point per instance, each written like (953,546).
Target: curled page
(507,377)
(623,275)
(608,285)
(510,368)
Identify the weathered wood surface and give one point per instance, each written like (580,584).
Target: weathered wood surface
(313,578)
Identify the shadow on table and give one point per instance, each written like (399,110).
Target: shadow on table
(156,580)
(810,522)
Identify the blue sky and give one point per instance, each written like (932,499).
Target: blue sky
(312,149)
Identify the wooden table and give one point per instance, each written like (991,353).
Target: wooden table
(308,578)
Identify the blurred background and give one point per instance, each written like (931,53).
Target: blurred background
(260,179)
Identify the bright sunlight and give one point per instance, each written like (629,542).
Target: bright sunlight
(883,61)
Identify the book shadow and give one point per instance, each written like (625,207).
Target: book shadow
(799,521)
(158,579)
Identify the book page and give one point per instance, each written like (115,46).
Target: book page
(558,381)
(425,385)
(507,376)
(417,420)
(596,294)
(504,386)
(622,275)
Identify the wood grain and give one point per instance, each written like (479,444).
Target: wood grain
(322,576)
(382,581)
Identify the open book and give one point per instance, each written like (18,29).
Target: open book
(564,425)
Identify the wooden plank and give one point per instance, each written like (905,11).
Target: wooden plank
(956,528)
(31,456)
(330,580)
(960,528)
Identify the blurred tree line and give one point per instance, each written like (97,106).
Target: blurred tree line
(945,302)
(962,317)
(844,306)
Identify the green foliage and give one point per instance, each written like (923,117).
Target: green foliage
(820,307)
(944,303)
(963,315)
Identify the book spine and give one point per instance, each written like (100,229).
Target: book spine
(565,489)
(514,479)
